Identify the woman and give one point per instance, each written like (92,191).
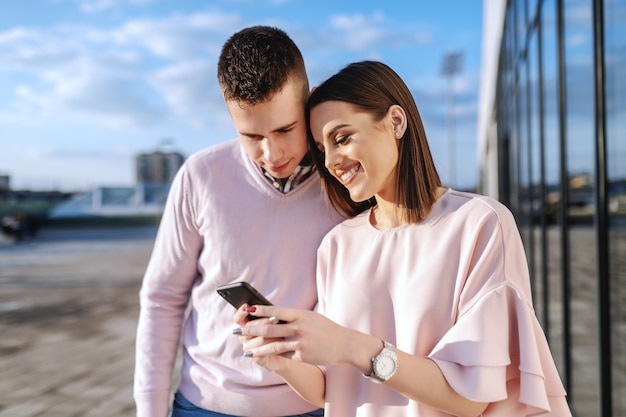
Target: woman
(423,290)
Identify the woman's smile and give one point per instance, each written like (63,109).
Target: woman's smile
(346,176)
(359,150)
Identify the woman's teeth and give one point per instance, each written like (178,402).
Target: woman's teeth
(346,175)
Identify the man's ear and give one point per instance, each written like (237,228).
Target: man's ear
(312,89)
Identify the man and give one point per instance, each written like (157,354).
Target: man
(247,210)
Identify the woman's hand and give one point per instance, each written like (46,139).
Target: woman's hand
(272,363)
(307,337)
(304,336)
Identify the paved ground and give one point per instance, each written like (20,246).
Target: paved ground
(69,305)
(68,311)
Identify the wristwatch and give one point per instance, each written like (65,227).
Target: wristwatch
(384,365)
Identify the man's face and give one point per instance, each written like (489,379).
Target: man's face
(273,133)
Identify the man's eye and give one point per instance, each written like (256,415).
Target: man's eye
(320,147)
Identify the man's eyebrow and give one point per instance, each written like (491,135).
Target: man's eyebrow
(279,129)
(286,127)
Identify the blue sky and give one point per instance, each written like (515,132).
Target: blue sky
(85,85)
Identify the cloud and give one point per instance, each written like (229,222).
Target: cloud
(119,101)
(134,74)
(191,90)
(23,49)
(177,37)
(96,6)
(350,36)
(74,154)
(364,32)
(95,88)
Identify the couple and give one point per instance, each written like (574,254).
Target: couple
(421,294)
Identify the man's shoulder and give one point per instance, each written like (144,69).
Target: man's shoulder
(215,157)
(219,151)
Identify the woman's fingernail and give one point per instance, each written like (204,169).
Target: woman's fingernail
(237,330)
(247,354)
(250,309)
(273,320)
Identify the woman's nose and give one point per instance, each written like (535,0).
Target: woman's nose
(332,159)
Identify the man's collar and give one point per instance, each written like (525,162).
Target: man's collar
(301,173)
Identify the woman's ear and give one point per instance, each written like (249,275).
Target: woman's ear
(398,120)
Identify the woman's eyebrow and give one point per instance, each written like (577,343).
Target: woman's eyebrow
(334,130)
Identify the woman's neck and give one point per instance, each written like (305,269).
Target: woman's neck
(389,214)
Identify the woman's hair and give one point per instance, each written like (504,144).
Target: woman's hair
(257,62)
(373,87)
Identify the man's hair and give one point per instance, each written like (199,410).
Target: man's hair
(373,87)
(257,62)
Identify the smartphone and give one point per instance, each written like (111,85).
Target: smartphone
(240,293)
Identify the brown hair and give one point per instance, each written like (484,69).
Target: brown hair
(257,62)
(373,87)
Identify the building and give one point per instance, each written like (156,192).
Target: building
(155,172)
(5,182)
(552,147)
(157,167)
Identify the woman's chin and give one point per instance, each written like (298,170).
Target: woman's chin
(358,197)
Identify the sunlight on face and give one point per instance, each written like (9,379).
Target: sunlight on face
(273,133)
(359,151)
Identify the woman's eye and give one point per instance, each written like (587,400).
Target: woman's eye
(342,140)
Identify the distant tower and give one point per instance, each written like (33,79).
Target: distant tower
(5,182)
(155,172)
(157,167)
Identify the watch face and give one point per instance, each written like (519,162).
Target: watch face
(384,366)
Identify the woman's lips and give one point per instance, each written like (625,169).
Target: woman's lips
(347,175)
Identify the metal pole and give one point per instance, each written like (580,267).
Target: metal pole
(604,290)
(542,173)
(452,64)
(451,127)
(563,209)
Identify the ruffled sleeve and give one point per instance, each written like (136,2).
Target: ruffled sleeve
(497,350)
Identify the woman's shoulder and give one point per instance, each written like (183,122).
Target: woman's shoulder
(477,205)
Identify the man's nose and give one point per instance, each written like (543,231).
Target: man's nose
(272,151)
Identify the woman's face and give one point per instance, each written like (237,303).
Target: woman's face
(359,151)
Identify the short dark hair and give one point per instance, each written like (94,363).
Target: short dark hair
(374,87)
(257,62)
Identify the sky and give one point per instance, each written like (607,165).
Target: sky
(85,85)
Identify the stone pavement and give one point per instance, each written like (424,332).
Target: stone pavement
(68,313)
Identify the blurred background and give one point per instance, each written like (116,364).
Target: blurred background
(101,101)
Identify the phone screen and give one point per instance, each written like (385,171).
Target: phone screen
(240,293)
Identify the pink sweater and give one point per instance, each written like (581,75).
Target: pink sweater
(224,222)
(454,288)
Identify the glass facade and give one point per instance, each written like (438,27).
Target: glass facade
(560,117)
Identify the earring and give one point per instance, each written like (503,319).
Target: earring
(397,134)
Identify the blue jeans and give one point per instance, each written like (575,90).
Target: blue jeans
(183,408)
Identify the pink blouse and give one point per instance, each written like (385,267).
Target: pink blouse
(454,288)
